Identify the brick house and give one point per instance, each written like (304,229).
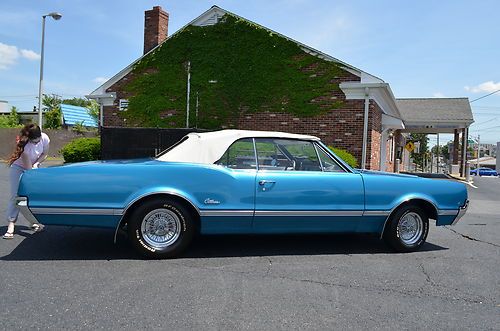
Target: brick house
(359,113)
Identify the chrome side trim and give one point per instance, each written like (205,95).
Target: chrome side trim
(402,202)
(77,211)
(226,213)
(22,204)
(376,212)
(255,154)
(235,213)
(442,212)
(308,213)
(461,212)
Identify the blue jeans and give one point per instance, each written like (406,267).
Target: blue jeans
(14,176)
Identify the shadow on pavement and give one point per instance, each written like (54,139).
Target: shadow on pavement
(69,243)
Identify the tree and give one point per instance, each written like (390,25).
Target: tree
(80,102)
(50,102)
(94,109)
(13,120)
(52,108)
(15,117)
(443,151)
(419,157)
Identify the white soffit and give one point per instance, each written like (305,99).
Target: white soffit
(390,122)
(381,93)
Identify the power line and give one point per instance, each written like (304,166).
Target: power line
(491,127)
(489,120)
(484,96)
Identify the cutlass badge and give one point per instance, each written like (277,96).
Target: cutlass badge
(209,201)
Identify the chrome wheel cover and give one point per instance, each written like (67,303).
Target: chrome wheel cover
(161,228)
(410,228)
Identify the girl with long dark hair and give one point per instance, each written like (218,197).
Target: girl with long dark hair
(32,148)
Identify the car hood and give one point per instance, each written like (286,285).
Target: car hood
(388,174)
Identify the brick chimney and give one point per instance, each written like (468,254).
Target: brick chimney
(155,27)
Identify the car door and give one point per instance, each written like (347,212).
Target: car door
(300,187)
(230,200)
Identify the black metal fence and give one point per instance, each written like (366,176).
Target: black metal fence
(132,143)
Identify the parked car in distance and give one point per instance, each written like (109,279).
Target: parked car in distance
(239,182)
(484,172)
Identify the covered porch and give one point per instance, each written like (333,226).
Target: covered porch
(436,116)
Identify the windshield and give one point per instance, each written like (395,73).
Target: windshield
(337,158)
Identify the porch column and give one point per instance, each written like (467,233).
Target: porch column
(456,141)
(383,150)
(463,160)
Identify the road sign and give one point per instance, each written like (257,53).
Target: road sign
(410,146)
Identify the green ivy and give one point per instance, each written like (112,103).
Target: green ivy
(235,66)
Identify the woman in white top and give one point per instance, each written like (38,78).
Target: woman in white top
(32,148)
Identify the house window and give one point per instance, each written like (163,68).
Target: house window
(123,104)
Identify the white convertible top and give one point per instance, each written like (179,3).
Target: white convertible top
(209,147)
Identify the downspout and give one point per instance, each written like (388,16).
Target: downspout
(101,115)
(365,128)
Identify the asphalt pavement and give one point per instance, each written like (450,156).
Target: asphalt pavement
(77,278)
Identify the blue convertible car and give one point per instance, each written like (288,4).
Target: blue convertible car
(239,182)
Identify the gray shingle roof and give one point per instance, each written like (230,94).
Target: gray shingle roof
(435,109)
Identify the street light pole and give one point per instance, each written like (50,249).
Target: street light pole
(55,16)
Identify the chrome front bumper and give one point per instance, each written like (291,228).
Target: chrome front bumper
(461,212)
(22,204)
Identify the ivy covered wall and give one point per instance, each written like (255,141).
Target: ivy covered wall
(236,67)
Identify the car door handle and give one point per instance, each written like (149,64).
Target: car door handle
(264,182)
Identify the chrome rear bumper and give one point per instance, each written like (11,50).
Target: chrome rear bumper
(461,212)
(22,204)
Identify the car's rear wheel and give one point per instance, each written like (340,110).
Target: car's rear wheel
(407,228)
(161,228)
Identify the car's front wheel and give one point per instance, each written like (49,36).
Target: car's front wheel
(407,228)
(161,228)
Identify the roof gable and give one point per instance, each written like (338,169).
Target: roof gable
(212,16)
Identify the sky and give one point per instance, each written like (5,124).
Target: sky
(425,48)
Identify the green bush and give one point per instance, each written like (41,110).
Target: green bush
(345,155)
(13,120)
(82,149)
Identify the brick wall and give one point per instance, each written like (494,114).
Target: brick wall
(341,127)
(374,136)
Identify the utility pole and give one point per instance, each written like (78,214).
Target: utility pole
(438,153)
(478,152)
(197,105)
(188,91)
